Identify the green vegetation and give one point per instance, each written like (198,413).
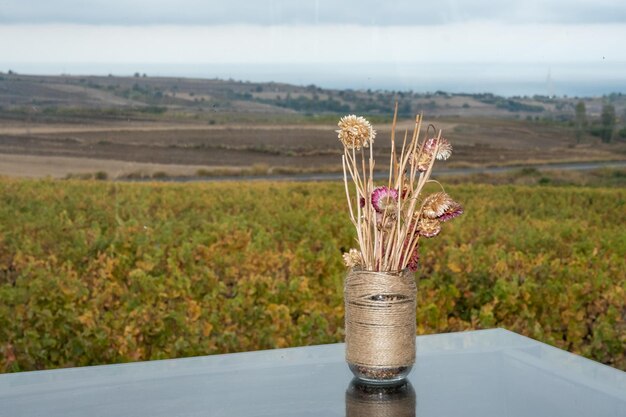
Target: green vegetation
(110,113)
(608,122)
(94,272)
(603,177)
(580,120)
(508,104)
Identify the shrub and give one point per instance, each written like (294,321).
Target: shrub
(96,272)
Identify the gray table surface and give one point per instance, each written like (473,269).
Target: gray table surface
(479,373)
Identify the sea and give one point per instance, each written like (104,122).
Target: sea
(572,79)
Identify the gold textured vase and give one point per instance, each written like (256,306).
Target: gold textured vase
(380,325)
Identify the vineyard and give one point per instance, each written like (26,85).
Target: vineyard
(101,272)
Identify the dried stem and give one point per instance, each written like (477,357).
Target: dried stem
(388,235)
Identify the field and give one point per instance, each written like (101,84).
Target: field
(96,272)
(133,127)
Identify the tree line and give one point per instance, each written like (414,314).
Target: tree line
(609,128)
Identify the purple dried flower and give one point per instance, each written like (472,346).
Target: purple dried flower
(384,198)
(454,211)
(414,260)
(429,145)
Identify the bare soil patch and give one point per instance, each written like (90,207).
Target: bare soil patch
(168,147)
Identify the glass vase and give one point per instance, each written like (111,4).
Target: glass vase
(380,325)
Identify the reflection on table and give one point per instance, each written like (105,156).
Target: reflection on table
(371,401)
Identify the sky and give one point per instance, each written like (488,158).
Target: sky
(353,43)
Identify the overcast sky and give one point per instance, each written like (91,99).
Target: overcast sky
(315,31)
(278,12)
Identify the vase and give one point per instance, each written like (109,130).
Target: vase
(380,325)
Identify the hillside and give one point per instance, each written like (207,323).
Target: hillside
(50,96)
(142,126)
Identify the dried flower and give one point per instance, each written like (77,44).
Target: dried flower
(436,205)
(429,145)
(428,151)
(388,219)
(384,198)
(425,157)
(445,150)
(414,260)
(385,221)
(455,210)
(429,227)
(352,258)
(423,162)
(355,132)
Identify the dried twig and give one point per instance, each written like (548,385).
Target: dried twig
(391,219)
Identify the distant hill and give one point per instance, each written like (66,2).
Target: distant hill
(120,127)
(66,98)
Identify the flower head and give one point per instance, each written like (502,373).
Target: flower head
(355,132)
(423,162)
(385,222)
(455,210)
(444,151)
(430,145)
(384,198)
(428,227)
(436,205)
(352,258)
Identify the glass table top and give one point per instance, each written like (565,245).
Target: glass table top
(479,373)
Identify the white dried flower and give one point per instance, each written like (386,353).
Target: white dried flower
(436,205)
(355,132)
(445,150)
(352,258)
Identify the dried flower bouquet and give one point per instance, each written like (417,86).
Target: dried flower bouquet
(390,219)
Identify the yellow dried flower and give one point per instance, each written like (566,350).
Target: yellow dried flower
(428,227)
(423,162)
(355,132)
(436,205)
(353,258)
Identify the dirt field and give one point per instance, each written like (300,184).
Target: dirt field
(60,167)
(178,149)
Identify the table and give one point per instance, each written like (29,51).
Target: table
(479,373)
